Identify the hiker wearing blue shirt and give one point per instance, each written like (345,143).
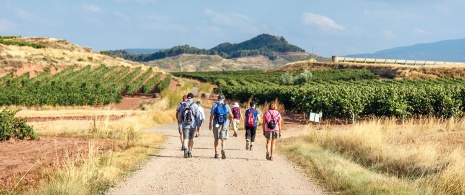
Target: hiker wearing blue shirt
(250,123)
(220,116)
(190,117)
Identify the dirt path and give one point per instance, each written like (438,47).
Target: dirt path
(243,172)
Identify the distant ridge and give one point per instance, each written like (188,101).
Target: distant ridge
(142,51)
(447,50)
(264,45)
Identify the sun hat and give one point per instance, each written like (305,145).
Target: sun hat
(190,96)
(221,97)
(236,104)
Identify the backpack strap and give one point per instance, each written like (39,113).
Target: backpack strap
(272,117)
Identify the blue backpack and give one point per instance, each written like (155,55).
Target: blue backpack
(221,113)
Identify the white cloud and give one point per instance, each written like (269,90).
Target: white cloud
(388,34)
(320,21)
(421,31)
(231,19)
(6,26)
(91,8)
(25,15)
(221,22)
(122,16)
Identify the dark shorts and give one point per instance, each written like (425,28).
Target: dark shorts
(272,134)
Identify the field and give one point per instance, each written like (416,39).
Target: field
(384,131)
(89,126)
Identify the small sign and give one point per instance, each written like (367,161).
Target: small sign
(315,117)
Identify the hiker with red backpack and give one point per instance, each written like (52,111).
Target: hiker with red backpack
(237,117)
(250,123)
(190,119)
(271,129)
(219,123)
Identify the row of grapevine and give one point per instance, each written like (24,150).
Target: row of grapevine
(138,82)
(85,86)
(342,98)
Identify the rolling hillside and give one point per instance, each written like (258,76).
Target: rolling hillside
(16,53)
(262,52)
(447,50)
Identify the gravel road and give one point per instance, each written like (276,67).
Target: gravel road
(242,172)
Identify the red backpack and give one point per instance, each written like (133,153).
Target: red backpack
(250,120)
(236,111)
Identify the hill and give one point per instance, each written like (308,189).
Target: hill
(44,53)
(142,51)
(275,49)
(447,50)
(193,62)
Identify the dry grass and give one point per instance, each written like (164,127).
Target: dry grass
(420,157)
(94,173)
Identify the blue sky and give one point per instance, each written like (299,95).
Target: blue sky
(330,27)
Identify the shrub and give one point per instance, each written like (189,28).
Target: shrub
(11,127)
(289,79)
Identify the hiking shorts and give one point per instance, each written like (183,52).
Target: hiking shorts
(188,133)
(272,134)
(220,132)
(180,128)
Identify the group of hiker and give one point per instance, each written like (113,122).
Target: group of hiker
(190,117)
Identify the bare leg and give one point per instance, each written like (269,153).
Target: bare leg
(186,143)
(191,144)
(273,146)
(268,145)
(216,146)
(223,143)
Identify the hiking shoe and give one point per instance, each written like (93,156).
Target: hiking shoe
(250,147)
(267,156)
(189,154)
(186,153)
(235,134)
(223,155)
(183,148)
(247,143)
(216,156)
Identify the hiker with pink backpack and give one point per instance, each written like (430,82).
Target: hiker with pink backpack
(271,129)
(250,123)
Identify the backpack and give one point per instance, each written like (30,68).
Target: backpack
(188,115)
(236,113)
(271,123)
(221,114)
(250,120)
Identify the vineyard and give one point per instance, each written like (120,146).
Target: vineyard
(344,93)
(85,86)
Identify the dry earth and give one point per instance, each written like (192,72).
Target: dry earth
(242,172)
(26,161)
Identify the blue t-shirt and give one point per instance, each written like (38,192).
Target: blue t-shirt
(255,115)
(213,111)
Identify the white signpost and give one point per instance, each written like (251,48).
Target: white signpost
(315,117)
